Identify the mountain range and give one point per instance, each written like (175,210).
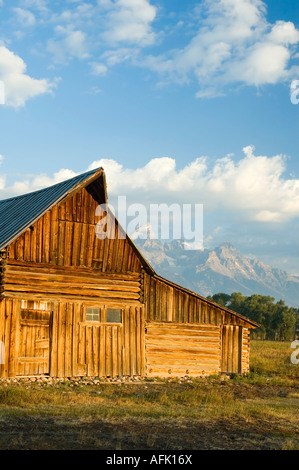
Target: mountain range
(222,269)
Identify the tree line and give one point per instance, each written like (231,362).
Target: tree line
(277,321)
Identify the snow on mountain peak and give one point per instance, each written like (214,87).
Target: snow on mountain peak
(144,232)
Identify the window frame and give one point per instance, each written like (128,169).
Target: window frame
(114,322)
(102,318)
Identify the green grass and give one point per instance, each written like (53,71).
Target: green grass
(271,361)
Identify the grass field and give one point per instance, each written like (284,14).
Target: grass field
(258,411)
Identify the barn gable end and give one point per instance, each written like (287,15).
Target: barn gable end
(75,304)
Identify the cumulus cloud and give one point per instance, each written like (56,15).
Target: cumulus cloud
(233,43)
(130,21)
(225,43)
(253,187)
(19,86)
(33,183)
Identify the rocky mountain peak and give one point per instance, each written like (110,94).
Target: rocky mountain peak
(221,269)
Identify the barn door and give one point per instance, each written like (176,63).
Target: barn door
(232,349)
(34,339)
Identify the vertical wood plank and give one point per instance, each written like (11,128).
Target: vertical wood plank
(114,350)
(127,340)
(88,346)
(14,338)
(132,328)
(8,312)
(27,244)
(102,360)
(95,349)
(83,245)
(108,352)
(2,335)
(54,340)
(75,339)
(54,236)
(142,341)
(61,340)
(68,243)
(46,224)
(68,340)
(119,352)
(61,242)
(76,244)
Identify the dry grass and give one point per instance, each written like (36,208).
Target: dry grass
(257,411)
(271,360)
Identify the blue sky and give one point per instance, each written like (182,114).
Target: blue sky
(185,102)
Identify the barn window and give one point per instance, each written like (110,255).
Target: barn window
(114,315)
(110,315)
(92,314)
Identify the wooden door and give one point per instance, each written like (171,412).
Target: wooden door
(232,349)
(34,340)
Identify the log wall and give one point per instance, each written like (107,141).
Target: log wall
(58,267)
(174,349)
(245,350)
(27,280)
(76,347)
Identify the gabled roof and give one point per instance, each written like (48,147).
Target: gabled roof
(20,212)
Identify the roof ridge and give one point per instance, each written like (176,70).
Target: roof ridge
(50,186)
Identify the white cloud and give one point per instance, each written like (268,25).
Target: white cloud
(266,63)
(93,91)
(130,21)
(75,16)
(19,87)
(284,32)
(69,43)
(227,42)
(253,188)
(39,5)
(98,69)
(25,17)
(115,29)
(33,183)
(121,54)
(234,43)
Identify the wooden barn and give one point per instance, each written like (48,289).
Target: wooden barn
(73,304)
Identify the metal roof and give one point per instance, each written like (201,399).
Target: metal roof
(18,213)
